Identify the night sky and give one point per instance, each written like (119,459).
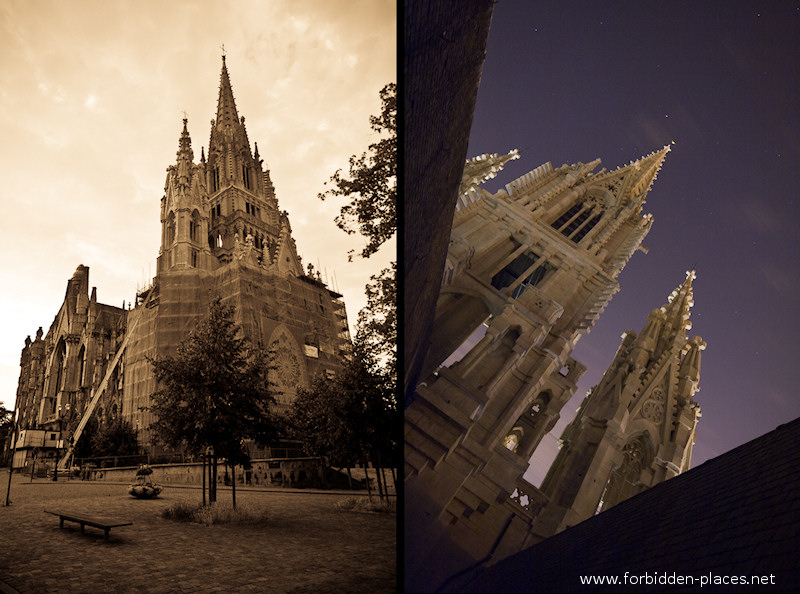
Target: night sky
(569,82)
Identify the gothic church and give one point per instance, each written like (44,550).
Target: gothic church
(533,266)
(222,234)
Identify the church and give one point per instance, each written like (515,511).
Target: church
(528,271)
(223,235)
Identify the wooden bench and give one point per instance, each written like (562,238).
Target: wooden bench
(105,523)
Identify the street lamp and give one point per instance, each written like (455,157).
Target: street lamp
(212,486)
(58,441)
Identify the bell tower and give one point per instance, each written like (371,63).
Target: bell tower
(223,207)
(528,271)
(184,213)
(636,428)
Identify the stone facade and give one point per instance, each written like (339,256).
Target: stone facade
(60,370)
(224,235)
(636,428)
(529,268)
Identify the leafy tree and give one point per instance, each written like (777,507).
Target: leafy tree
(372,185)
(350,417)
(214,392)
(377,322)
(372,190)
(115,438)
(355,412)
(84,447)
(6,426)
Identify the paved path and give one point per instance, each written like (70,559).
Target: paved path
(305,545)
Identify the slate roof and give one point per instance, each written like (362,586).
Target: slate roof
(735,515)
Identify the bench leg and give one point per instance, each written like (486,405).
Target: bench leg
(82,527)
(107,530)
(61,525)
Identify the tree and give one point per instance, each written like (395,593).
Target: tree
(372,185)
(372,189)
(364,392)
(84,447)
(377,322)
(115,438)
(6,426)
(214,392)
(349,417)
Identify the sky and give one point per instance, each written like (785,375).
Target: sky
(92,97)
(571,82)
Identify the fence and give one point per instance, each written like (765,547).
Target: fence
(272,472)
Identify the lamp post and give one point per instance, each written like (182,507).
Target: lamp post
(212,485)
(58,441)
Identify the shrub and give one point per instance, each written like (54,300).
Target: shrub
(180,512)
(216,513)
(363,504)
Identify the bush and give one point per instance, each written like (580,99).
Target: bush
(180,512)
(363,504)
(216,513)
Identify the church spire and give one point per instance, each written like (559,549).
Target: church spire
(226,106)
(646,170)
(185,142)
(483,168)
(678,307)
(185,156)
(633,181)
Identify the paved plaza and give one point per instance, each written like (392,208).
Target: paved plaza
(305,545)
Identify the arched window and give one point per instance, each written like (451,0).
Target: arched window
(577,221)
(82,360)
(539,404)
(512,440)
(522,264)
(583,231)
(194,225)
(171,228)
(565,218)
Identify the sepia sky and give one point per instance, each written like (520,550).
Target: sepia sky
(92,96)
(576,81)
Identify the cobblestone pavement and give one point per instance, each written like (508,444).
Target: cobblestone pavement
(305,545)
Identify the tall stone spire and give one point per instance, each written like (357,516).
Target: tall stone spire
(636,178)
(226,106)
(637,427)
(679,305)
(185,155)
(185,141)
(676,312)
(230,159)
